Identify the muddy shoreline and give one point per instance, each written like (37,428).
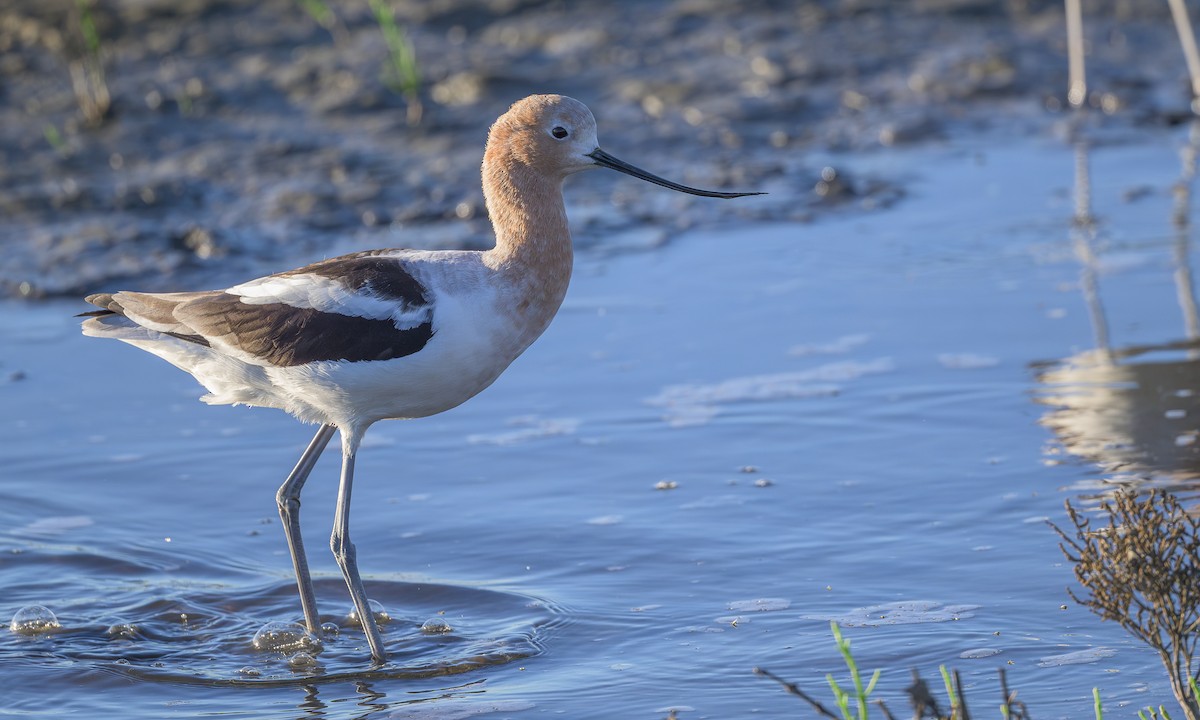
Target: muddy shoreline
(245,136)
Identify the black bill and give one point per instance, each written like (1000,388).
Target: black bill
(605,160)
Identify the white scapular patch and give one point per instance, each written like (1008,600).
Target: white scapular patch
(326,294)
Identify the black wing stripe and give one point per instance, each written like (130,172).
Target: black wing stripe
(287,336)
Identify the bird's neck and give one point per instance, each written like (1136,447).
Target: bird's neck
(533,243)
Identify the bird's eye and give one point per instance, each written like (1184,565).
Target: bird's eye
(559,132)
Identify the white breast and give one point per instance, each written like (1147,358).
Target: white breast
(476,336)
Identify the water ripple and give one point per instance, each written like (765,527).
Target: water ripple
(205,634)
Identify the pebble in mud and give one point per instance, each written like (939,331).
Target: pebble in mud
(34,620)
(286,638)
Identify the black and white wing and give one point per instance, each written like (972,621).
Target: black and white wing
(361,307)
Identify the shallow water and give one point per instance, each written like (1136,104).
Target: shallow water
(865,419)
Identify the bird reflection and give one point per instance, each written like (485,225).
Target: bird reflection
(313,707)
(1133,411)
(371,702)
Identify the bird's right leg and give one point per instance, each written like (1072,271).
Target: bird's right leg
(288,499)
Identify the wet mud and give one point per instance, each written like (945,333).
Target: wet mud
(243,136)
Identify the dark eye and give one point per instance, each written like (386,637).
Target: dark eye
(559,132)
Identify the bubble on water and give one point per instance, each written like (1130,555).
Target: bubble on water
(122,631)
(330,628)
(435,626)
(249,671)
(302,661)
(283,637)
(34,620)
(381,614)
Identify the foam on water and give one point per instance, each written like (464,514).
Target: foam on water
(759,605)
(696,404)
(906,612)
(1078,657)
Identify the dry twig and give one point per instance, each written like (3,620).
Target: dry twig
(1142,571)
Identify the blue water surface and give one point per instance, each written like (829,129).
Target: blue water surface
(721,444)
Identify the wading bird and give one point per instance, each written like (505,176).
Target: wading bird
(385,334)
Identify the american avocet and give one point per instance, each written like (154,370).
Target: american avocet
(385,334)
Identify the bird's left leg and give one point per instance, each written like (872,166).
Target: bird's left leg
(343,549)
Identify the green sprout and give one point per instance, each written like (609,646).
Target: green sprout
(54,138)
(319,12)
(404,76)
(87,67)
(860,693)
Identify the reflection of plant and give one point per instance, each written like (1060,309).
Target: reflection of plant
(87,65)
(404,75)
(1143,572)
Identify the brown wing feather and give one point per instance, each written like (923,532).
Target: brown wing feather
(277,333)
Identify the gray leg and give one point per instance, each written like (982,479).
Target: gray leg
(288,499)
(343,552)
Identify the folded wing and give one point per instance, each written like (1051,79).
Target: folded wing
(358,308)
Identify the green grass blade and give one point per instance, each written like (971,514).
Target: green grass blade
(318,11)
(874,679)
(54,138)
(87,26)
(400,49)
(949,683)
(840,696)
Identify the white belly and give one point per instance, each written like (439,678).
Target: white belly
(471,345)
